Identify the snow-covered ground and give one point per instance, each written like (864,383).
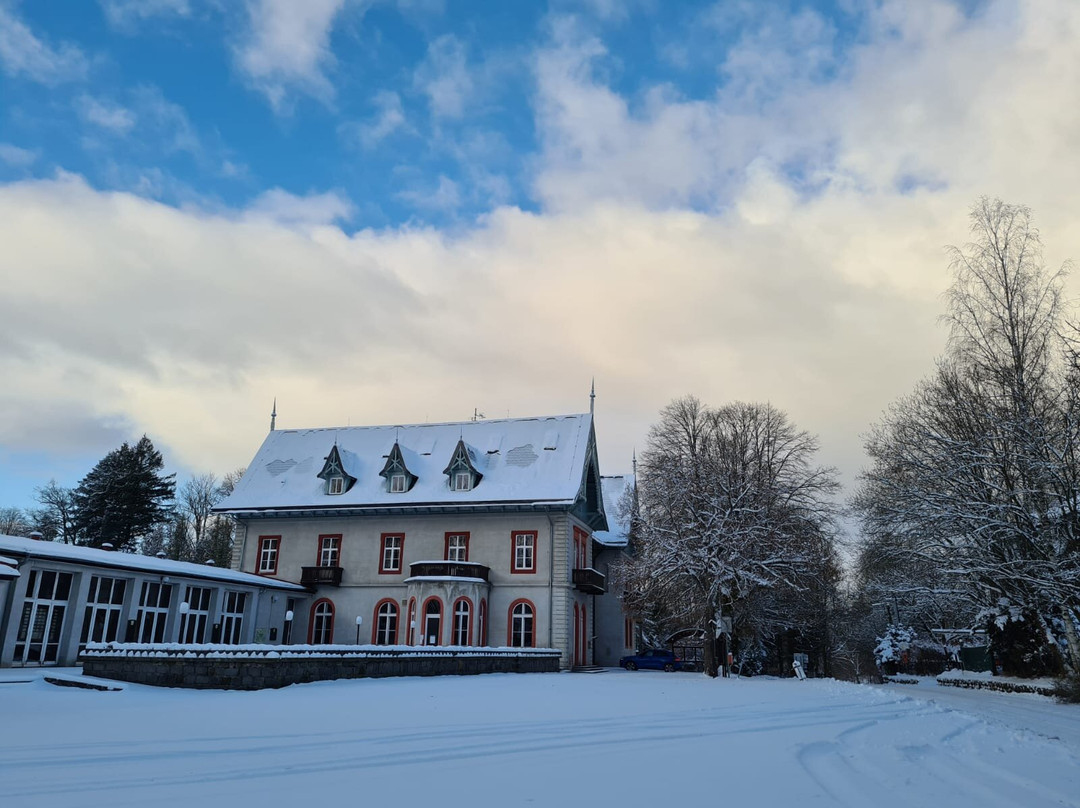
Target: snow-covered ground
(617,738)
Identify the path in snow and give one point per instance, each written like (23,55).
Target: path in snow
(541,739)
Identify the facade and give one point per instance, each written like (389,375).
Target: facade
(55,598)
(616,633)
(476,533)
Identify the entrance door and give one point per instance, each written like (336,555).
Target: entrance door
(38,640)
(433,622)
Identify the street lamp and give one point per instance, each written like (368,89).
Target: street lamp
(288,627)
(359,622)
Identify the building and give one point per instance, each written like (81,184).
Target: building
(616,633)
(55,598)
(470,533)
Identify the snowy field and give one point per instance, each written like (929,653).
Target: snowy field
(617,738)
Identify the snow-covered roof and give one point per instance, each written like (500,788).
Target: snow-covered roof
(618,532)
(7,568)
(521,460)
(130,561)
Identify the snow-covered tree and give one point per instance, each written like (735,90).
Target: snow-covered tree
(13,522)
(123,496)
(731,511)
(56,516)
(973,489)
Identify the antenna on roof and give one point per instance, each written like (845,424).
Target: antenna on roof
(477,415)
(592,396)
(273,415)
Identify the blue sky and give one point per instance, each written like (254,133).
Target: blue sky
(393,212)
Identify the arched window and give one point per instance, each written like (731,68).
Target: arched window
(432,622)
(481,625)
(321,631)
(410,624)
(384,632)
(462,620)
(522,618)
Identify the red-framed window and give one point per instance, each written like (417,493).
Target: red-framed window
(384,628)
(391,553)
(523,551)
(269,548)
(481,624)
(456,547)
(461,633)
(581,549)
(321,625)
(521,625)
(431,626)
(330,550)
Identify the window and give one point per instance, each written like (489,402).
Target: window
(581,548)
(392,547)
(335,485)
(462,618)
(101,621)
(481,624)
(322,623)
(268,554)
(153,611)
(521,624)
(457,546)
(462,481)
(232,618)
(397,484)
(386,620)
(329,551)
(38,640)
(524,558)
(193,624)
(628,632)
(410,624)
(433,622)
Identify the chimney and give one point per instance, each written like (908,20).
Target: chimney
(36,535)
(210,562)
(107,546)
(161,554)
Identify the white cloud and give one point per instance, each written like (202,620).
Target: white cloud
(24,54)
(444,197)
(281,207)
(127,15)
(288,48)
(389,119)
(807,273)
(107,115)
(17,157)
(445,78)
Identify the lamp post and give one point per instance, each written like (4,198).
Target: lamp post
(359,622)
(412,631)
(184,609)
(288,628)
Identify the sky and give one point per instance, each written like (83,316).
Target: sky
(400,212)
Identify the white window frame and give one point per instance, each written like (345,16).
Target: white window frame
(104,607)
(268,554)
(335,485)
(322,623)
(518,622)
(330,551)
(153,611)
(397,483)
(462,619)
(193,625)
(232,617)
(392,550)
(457,547)
(462,481)
(524,548)
(386,623)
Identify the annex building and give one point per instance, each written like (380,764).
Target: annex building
(475,533)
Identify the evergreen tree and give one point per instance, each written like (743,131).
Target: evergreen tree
(123,496)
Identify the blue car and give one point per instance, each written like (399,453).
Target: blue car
(652,659)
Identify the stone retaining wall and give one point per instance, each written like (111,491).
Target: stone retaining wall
(1003,685)
(256,673)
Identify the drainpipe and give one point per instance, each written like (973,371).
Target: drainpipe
(551,582)
(243,547)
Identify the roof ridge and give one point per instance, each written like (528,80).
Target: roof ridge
(434,423)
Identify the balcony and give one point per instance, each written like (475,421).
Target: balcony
(590,581)
(320,576)
(448,569)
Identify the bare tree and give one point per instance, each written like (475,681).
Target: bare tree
(57,512)
(731,505)
(972,491)
(13,522)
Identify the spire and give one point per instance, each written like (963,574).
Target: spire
(273,415)
(592,396)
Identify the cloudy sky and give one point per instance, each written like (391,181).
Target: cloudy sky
(396,212)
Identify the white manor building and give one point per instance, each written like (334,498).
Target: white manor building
(478,533)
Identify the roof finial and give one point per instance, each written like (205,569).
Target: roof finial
(273,415)
(634,462)
(592,396)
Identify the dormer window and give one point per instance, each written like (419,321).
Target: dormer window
(397,475)
(338,480)
(461,471)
